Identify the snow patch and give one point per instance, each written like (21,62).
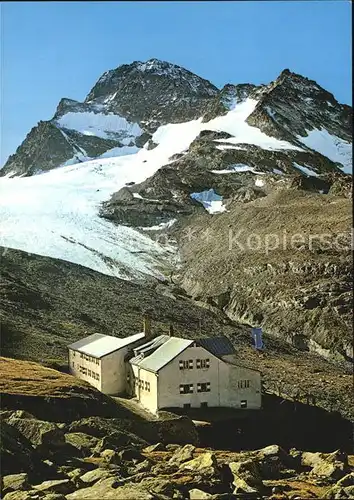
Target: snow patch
(210,200)
(259,183)
(237,168)
(106,126)
(336,149)
(160,227)
(120,151)
(234,123)
(277,171)
(306,170)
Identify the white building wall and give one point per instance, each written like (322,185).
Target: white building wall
(86,368)
(147,389)
(229,384)
(114,375)
(239,385)
(170,378)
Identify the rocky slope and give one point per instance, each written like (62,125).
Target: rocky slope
(283,262)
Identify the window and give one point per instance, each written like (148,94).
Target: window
(73,364)
(204,405)
(186,364)
(203,387)
(89,373)
(244,403)
(186,405)
(243,384)
(81,355)
(147,386)
(186,388)
(203,363)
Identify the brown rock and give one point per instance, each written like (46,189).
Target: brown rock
(15,482)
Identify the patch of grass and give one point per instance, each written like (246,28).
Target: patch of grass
(31,379)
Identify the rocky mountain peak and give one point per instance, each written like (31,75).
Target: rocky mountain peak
(148,73)
(296,105)
(129,103)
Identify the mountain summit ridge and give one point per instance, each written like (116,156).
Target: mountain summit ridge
(128,104)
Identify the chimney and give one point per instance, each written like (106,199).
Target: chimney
(170,331)
(147,326)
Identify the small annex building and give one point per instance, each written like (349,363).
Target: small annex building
(167,371)
(100,360)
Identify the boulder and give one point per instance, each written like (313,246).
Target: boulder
(15,482)
(23,495)
(154,447)
(328,470)
(273,460)
(124,194)
(83,442)
(332,466)
(106,489)
(111,457)
(16,414)
(159,486)
(204,464)
(196,494)
(130,454)
(91,477)
(247,478)
(182,454)
(38,432)
(144,466)
(172,447)
(63,486)
(113,432)
(75,476)
(17,452)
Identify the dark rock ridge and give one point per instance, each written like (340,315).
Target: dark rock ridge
(152,93)
(292,105)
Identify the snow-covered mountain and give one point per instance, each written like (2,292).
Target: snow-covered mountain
(153,142)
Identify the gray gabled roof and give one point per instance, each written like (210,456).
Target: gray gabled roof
(170,348)
(219,346)
(99,345)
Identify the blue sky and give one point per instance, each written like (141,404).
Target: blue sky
(59,49)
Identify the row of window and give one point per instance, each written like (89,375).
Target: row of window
(90,373)
(189,388)
(91,359)
(243,384)
(143,385)
(189,364)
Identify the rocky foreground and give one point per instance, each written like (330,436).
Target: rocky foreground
(76,443)
(93,458)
